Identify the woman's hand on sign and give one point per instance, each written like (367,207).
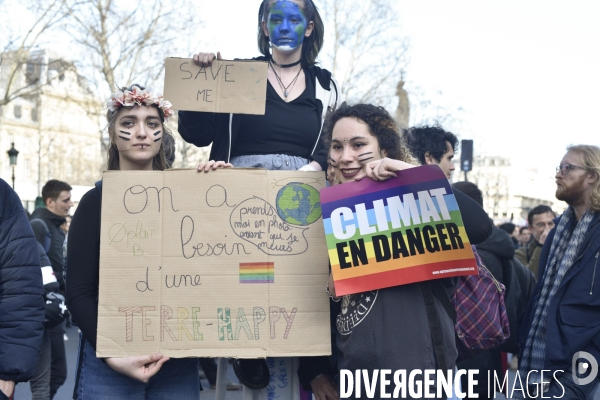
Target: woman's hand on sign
(382,170)
(206,59)
(213,165)
(140,368)
(323,388)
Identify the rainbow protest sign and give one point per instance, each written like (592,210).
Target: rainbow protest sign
(404,230)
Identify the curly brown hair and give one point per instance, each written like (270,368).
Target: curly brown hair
(381,125)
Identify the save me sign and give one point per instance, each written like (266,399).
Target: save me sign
(229,263)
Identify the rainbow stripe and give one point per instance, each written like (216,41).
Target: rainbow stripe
(416,257)
(257,272)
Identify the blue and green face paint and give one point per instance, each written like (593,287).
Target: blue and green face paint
(286,24)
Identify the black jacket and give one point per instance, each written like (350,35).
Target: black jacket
(21,291)
(220,129)
(50,235)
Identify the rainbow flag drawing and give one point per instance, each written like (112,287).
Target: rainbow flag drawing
(404,230)
(257,272)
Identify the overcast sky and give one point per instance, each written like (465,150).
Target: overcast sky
(526,73)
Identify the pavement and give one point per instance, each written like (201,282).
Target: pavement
(22,391)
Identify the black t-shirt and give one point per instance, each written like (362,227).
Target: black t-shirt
(288,128)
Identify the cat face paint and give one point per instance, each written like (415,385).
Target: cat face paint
(124,137)
(352,146)
(365,157)
(138,135)
(286,24)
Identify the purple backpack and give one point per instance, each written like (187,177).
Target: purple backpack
(477,308)
(481,319)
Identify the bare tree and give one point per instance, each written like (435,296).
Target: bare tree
(122,43)
(19,49)
(366,49)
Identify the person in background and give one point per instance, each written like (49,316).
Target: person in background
(512,231)
(524,236)
(497,253)
(47,225)
(67,224)
(541,221)
(564,317)
(433,145)
(55,311)
(21,295)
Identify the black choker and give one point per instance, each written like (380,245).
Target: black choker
(286,65)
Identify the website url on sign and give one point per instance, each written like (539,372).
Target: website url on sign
(449,271)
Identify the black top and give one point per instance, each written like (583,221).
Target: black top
(222,130)
(83,261)
(50,235)
(288,128)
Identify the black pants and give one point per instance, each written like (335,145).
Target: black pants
(209,366)
(58,369)
(40,383)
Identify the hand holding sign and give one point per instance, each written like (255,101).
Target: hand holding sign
(205,59)
(383,169)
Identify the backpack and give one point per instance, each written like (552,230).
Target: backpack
(477,308)
(47,241)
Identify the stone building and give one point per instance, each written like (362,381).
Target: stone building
(509,190)
(54,128)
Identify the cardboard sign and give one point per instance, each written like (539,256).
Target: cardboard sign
(404,230)
(238,87)
(231,263)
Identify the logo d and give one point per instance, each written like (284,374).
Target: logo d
(584,367)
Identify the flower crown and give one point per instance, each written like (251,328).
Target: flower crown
(141,97)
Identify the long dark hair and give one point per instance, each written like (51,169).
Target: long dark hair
(310,47)
(159,162)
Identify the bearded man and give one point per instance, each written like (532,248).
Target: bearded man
(562,334)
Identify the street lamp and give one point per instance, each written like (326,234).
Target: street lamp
(12,158)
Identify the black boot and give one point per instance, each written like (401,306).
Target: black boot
(252,373)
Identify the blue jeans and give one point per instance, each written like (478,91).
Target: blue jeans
(269,161)
(177,379)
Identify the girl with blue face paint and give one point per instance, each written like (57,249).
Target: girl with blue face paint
(287,26)
(286,137)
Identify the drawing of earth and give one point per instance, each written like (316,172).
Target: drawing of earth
(298,204)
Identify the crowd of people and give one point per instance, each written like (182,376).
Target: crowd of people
(548,267)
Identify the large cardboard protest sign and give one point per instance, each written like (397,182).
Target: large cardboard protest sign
(404,230)
(226,86)
(231,263)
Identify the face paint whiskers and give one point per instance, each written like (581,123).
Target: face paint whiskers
(155,134)
(364,157)
(125,133)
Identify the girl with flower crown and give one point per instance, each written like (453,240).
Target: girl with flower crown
(286,137)
(138,139)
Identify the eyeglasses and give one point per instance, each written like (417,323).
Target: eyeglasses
(565,168)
